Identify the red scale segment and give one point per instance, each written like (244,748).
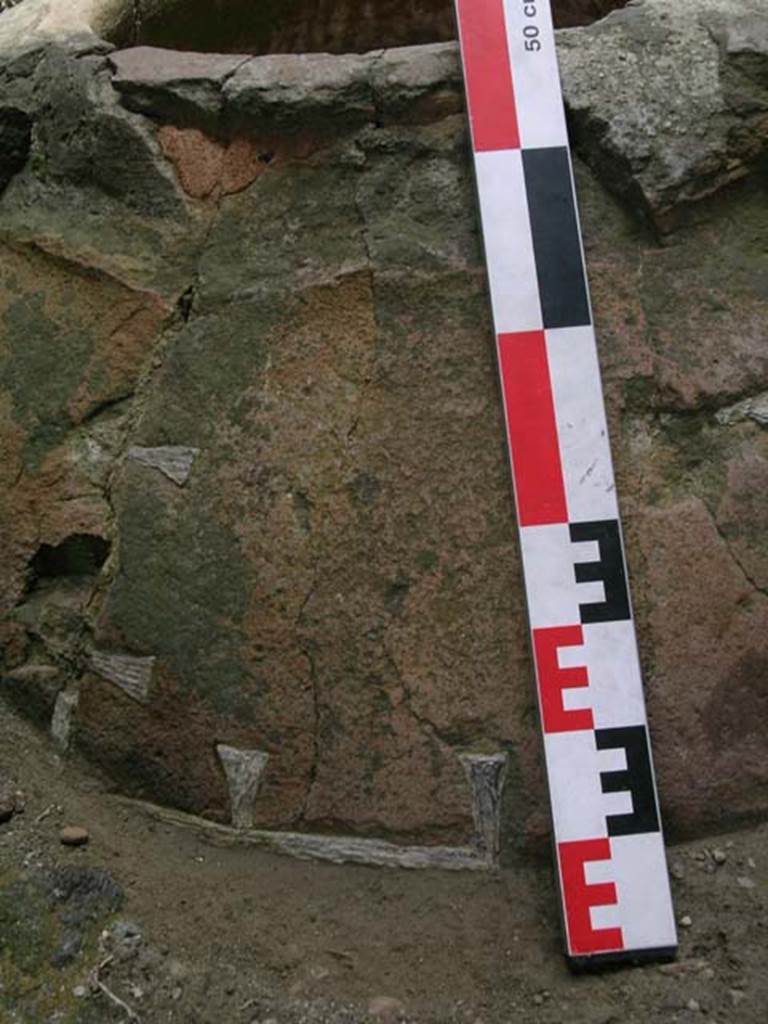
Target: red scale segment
(553,679)
(579,897)
(490,93)
(532,429)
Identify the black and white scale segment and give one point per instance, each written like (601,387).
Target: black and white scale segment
(611,861)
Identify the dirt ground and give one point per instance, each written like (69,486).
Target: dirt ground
(204,935)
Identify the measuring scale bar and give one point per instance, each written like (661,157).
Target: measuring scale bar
(611,862)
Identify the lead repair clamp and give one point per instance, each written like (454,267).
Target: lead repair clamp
(610,849)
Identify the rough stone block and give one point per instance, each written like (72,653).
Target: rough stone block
(653,105)
(132,675)
(485,774)
(175,462)
(244,770)
(63,718)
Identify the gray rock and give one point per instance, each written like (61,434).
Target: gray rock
(280,93)
(132,675)
(173,86)
(418,83)
(244,770)
(63,718)
(174,461)
(485,774)
(266,93)
(741,31)
(753,408)
(278,98)
(88,138)
(96,188)
(655,107)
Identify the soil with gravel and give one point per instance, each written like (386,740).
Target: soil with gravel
(149,923)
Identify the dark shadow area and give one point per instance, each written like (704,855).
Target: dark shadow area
(82,554)
(302,26)
(15,142)
(49,624)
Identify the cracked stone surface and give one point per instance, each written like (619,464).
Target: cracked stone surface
(199,260)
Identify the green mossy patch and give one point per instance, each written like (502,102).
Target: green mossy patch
(182,593)
(42,368)
(427,561)
(208,393)
(50,921)
(297,224)
(699,450)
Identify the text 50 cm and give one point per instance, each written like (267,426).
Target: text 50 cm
(531,32)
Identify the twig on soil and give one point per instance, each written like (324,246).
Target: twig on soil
(132,1016)
(44,814)
(98,985)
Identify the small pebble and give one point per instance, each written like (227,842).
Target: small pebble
(693,1005)
(719,856)
(11,801)
(685,921)
(677,871)
(73,835)
(744,882)
(79,991)
(177,970)
(386,1008)
(538,999)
